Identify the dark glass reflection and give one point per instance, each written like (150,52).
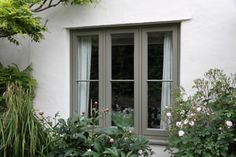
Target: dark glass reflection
(155,55)
(122,56)
(154,104)
(123,103)
(94,59)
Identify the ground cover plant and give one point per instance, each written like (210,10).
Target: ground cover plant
(203,125)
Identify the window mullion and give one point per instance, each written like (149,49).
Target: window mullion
(108,75)
(102,79)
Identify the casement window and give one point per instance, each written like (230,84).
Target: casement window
(131,71)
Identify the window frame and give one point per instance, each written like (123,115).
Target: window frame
(175,67)
(140,70)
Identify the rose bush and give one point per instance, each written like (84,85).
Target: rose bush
(203,125)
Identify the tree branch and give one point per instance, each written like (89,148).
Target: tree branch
(43,6)
(39,7)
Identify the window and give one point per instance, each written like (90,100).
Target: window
(130,70)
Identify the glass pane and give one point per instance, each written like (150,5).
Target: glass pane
(158,97)
(159,55)
(122,56)
(123,103)
(88,98)
(88,58)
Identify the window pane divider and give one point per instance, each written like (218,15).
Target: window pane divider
(121,80)
(159,80)
(87,80)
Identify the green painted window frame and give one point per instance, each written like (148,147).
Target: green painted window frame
(140,70)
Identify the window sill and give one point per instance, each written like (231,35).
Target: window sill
(158,142)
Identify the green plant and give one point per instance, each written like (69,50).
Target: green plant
(203,125)
(11,75)
(21,132)
(17,17)
(123,119)
(80,136)
(120,142)
(70,138)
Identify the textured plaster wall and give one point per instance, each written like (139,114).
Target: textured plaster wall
(208,37)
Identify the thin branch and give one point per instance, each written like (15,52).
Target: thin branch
(40,6)
(50,5)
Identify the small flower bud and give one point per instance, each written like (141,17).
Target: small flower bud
(168,114)
(199,109)
(111,140)
(41,113)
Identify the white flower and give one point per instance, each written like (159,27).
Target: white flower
(191,123)
(220,128)
(199,109)
(111,140)
(229,123)
(185,121)
(182,112)
(192,114)
(89,150)
(168,114)
(178,124)
(181,133)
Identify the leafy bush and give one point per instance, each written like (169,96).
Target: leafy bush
(203,125)
(80,136)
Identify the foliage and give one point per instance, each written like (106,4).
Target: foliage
(80,136)
(123,119)
(16,17)
(203,125)
(11,75)
(21,132)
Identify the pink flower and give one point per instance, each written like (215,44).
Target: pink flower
(105,110)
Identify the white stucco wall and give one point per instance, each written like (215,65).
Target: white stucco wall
(208,37)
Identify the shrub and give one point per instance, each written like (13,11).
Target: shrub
(203,125)
(80,136)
